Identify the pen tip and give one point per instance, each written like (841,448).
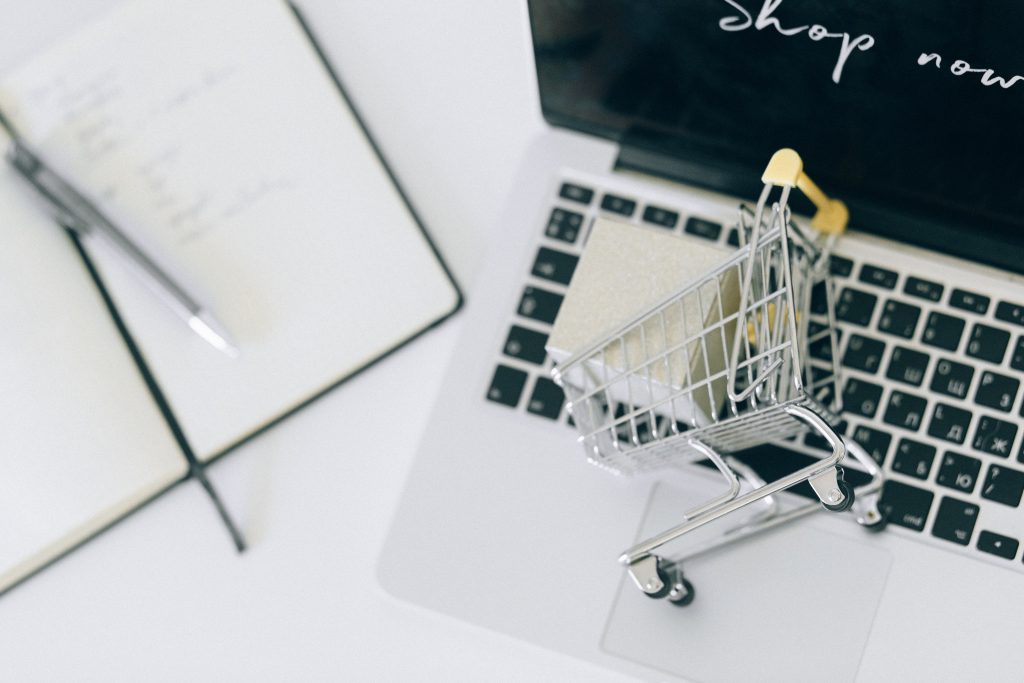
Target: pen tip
(209,329)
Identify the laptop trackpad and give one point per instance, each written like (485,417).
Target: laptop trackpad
(794,604)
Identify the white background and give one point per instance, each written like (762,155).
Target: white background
(447,88)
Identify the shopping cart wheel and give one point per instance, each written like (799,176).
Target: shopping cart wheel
(682,593)
(848,497)
(667,576)
(875,527)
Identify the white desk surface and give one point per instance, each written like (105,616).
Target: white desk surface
(448,89)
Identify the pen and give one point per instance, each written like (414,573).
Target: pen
(75,212)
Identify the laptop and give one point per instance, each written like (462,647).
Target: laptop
(662,114)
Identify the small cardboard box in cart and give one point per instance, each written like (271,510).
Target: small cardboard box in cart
(625,270)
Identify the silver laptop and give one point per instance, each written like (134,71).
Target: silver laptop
(662,113)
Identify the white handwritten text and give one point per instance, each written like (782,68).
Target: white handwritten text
(960,67)
(815,32)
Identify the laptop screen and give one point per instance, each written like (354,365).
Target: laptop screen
(913,112)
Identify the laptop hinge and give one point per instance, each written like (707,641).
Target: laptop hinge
(699,170)
(941,233)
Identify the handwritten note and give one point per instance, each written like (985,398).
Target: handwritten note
(113,126)
(213,135)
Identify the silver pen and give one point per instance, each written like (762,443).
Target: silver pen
(75,212)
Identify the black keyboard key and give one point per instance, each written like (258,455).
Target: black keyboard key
(773,462)
(906,365)
(899,319)
(620,205)
(958,472)
(733,240)
(564,225)
(661,217)
(526,344)
(1003,485)
(825,392)
(860,397)
(878,276)
(863,353)
(905,410)
(943,331)
(855,306)
(996,391)
(703,228)
(820,345)
(819,299)
(1011,313)
(547,399)
(539,304)
(875,441)
(644,433)
(988,343)
(815,440)
(1017,359)
(553,265)
(998,545)
(913,459)
(576,193)
(952,378)
(506,386)
(994,437)
(949,423)
(637,429)
(623,429)
(969,301)
(923,289)
(679,427)
(906,505)
(955,520)
(840,266)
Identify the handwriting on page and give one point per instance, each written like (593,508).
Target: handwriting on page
(816,32)
(149,146)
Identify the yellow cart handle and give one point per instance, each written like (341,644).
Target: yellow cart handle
(786,168)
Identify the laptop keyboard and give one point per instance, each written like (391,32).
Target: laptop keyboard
(931,387)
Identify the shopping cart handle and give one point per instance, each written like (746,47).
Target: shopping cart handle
(786,169)
(831,218)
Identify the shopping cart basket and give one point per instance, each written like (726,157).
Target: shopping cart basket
(723,365)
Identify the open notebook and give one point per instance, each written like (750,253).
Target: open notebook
(213,133)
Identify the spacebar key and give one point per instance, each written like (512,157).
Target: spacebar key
(906,505)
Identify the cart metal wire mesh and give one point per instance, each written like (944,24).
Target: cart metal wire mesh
(724,364)
(695,368)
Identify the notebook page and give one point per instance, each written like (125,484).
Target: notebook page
(212,133)
(82,439)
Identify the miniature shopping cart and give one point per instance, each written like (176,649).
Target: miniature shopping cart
(722,365)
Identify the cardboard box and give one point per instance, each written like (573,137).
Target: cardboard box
(625,271)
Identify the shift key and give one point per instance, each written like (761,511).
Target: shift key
(906,505)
